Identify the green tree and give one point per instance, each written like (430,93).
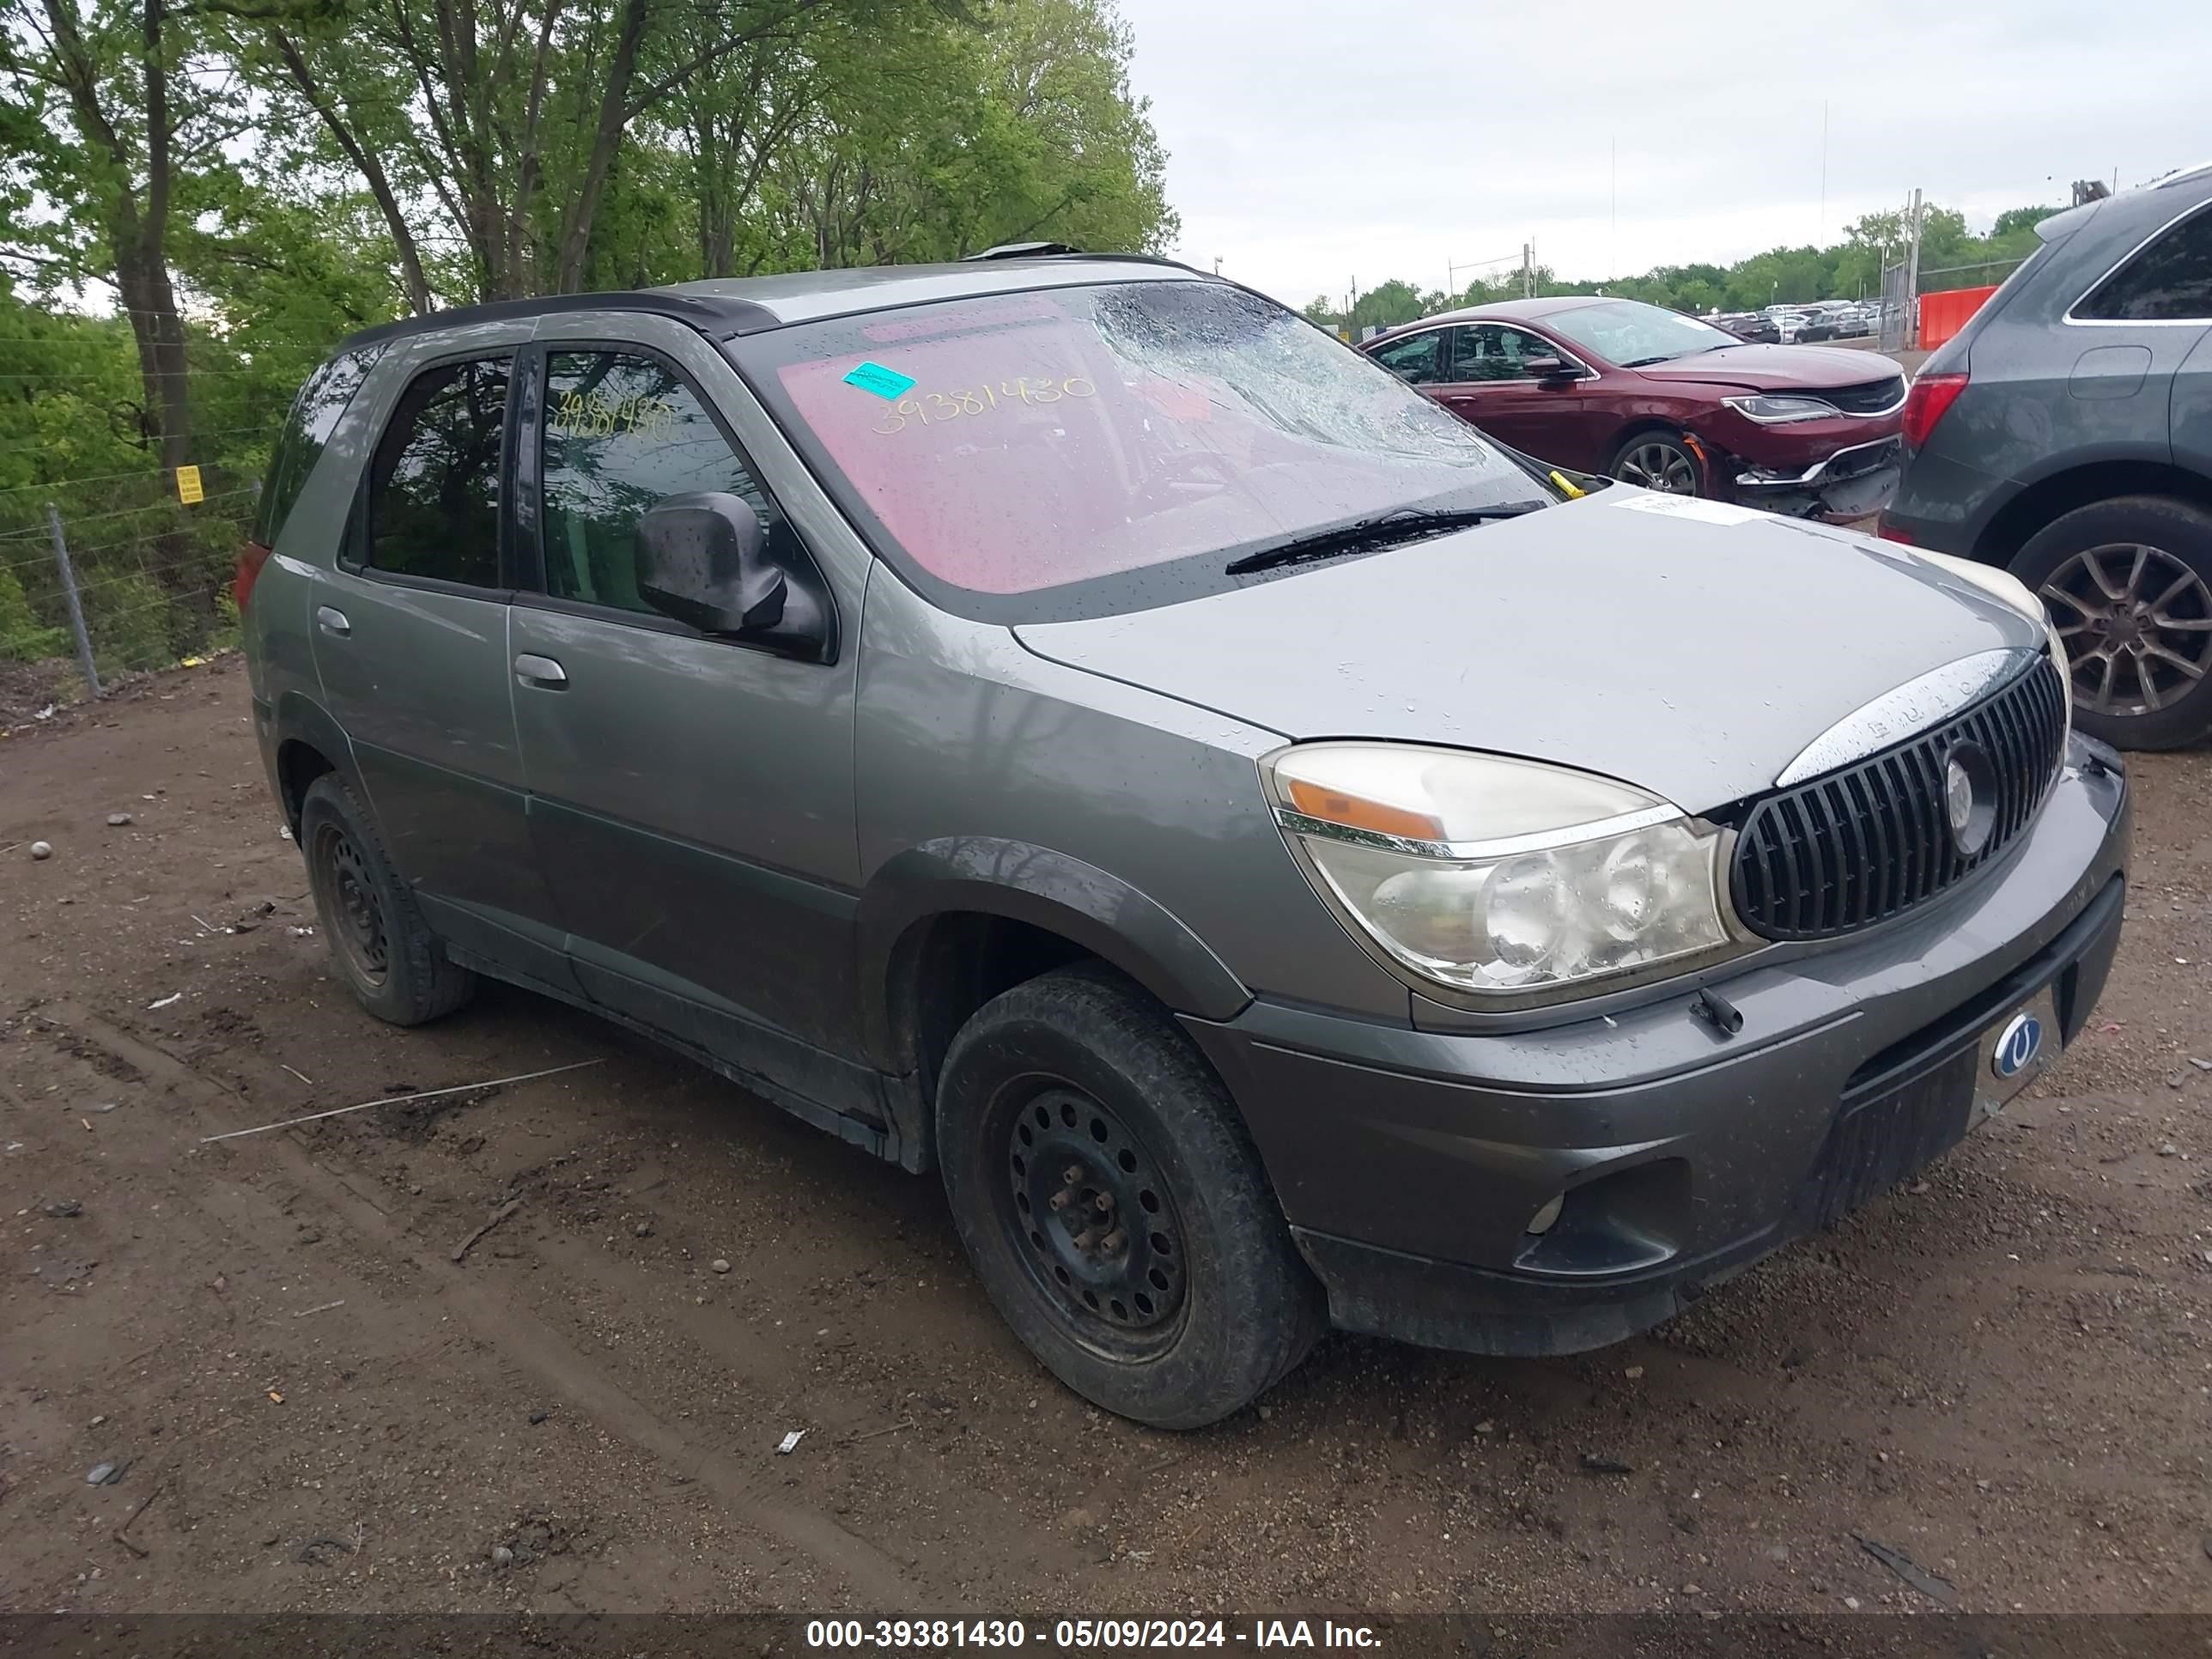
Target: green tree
(2013,221)
(945,141)
(105,117)
(1385,306)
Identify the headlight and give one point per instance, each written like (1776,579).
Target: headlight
(1771,409)
(1503,878)
(2003,586)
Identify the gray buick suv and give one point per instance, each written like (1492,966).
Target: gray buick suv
(1282,859)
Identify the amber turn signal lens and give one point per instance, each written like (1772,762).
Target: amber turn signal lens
(1357,812)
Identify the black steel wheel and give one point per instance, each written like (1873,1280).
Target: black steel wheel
(2128,586)
(1114,1206)
(379,944)
(356,917)
(1093,1216)
(1657,460)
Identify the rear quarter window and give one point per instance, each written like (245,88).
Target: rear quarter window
(314,415)
(2167,280)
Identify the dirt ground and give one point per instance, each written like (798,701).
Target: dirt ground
(312,1398)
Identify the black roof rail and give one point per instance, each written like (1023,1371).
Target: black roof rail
(1020,250)
(712,315)
(1062,251)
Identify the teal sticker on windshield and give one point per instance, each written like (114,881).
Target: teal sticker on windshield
(886,383)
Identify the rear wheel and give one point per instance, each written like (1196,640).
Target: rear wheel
(378,942)
(1113,1207)
(1657,460)
(2127,585)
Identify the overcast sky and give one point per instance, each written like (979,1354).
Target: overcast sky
(1310,143)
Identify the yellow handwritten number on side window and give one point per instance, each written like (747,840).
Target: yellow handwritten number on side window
(595,415)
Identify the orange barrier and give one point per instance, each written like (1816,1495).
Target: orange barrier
(1942,315)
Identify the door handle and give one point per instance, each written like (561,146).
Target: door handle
(333,621)
(541,672)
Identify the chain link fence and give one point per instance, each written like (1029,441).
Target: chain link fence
(117,573)
(112,564)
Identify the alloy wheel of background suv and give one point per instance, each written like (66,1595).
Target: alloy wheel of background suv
(2128,584)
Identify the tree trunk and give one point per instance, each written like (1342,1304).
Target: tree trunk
(141,275)
(576,228)
(372,169)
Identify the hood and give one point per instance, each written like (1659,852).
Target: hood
(1693,650)
(1776,368)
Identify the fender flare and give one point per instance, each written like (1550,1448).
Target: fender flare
(297,717)
(1062,894)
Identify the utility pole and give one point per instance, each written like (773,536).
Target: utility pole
(1217,265)
(1912,276)
(1613,253)
(1527,272)
(1823,235)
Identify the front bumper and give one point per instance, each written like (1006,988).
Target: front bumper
(1853,483)
(1410,1162)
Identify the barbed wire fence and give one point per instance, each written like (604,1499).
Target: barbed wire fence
(111,562)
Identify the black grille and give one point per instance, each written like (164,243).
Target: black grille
(1874,1143)
(1871,841)
(1875,397)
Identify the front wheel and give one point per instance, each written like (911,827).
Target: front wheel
(1114,1207)
(1657,460)
(2128,586)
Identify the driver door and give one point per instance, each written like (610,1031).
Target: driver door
(1486,381)
(691,797)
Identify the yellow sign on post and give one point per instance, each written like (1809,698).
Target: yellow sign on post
(188,486)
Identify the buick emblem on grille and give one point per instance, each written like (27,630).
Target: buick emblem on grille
(1958,799)
(1970,789)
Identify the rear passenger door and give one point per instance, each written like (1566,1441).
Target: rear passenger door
(2129,337)
(2172,288)
(409,627)
(691,797)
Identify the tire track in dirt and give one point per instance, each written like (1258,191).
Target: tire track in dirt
(555,1364)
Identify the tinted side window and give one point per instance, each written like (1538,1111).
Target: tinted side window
(1489,351)
(1417,359)
(622,433)
(434,486)
(2170,280)
(1521,349)
(314,416)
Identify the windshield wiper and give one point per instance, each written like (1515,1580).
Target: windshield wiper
(1408,525)
(1646,362)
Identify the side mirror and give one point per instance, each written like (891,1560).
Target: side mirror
(1552,371)
(703,559)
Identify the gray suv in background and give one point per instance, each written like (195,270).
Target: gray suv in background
(1071,723)
(2066,432)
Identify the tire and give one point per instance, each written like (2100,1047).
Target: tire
(1076,1094)
(379,944)
(1647,458)
(2128,583)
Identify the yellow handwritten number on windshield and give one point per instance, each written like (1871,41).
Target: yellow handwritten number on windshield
(935,408)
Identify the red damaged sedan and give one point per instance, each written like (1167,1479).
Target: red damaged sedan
(1653,397)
